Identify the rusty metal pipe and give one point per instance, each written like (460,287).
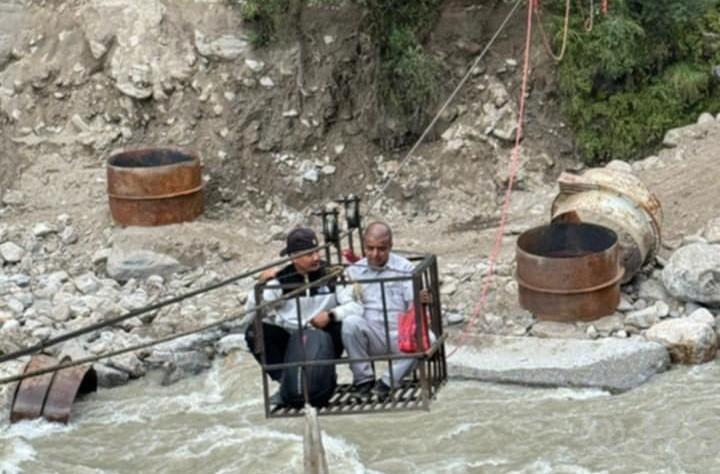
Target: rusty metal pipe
(619,201)
(154,186)
(569,272)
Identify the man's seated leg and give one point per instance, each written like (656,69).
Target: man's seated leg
(334,328)
(363,339)
(400,369)
(275,342)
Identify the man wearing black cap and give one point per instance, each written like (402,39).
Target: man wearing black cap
(323,305)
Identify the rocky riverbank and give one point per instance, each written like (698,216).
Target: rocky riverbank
(162,74)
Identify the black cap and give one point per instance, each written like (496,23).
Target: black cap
(300,239)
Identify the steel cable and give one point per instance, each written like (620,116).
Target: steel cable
(86,360)
(137,312)
(444,106)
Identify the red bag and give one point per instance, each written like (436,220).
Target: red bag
(407,328)
(350,256)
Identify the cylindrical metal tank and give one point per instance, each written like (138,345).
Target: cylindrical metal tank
(619,201)
(569,272)
(154,186)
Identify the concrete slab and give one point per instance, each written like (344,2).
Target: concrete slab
(610,364)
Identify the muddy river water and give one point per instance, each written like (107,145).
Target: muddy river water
(214,423)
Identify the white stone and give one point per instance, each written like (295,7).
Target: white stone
(11,252)
(266,82)
(692,273)
(101,256)
(328,170)
(255,66)
(231,343)
(290,113)
(86,283)
(705,117)
(64,220)
(68,235)
(227,47)
(10,325)
(311,175)
(15,306)
(689,342)
(328,39)
(646,317)
(13,198)
(652,290)
(702,315)
(449,288)
(624,304)
(41,229)
(124,265)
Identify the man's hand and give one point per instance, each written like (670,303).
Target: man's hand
(321,319)
(267,275)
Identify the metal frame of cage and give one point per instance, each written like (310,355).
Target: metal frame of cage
(429,374)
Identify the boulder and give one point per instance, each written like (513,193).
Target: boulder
(688,341)
(11,252)
(109,377)
(231,343)
(124,265)
(702,315)
(652,290)
(225,47)
(646,317)
(610,364)
(675,136)
(693,273)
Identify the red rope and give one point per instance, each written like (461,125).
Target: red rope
(514,164)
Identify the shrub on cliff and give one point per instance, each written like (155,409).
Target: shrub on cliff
(645,67)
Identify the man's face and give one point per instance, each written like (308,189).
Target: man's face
(307,263)
(377,250)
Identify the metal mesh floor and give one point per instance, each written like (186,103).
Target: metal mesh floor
(406,397)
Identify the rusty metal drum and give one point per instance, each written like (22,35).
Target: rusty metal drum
(50,395)
(154,186)
(569,272)
(617,200)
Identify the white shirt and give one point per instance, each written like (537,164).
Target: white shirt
(398,294)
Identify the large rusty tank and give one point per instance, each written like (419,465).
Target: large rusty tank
(569,272)
(154,186)
(617,200)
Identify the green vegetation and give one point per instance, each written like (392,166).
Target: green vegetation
(646,67)
(408,79)
(266,17)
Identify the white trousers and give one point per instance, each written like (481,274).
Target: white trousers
(366,338)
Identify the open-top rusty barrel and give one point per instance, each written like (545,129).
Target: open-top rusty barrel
(154,186)
(51,395)
(569,272)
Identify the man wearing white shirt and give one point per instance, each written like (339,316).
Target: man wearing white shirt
(365,335)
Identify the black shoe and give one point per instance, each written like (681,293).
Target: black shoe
(362,391)
(276,399)
(381,390)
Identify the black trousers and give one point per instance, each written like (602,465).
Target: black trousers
(275,340)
